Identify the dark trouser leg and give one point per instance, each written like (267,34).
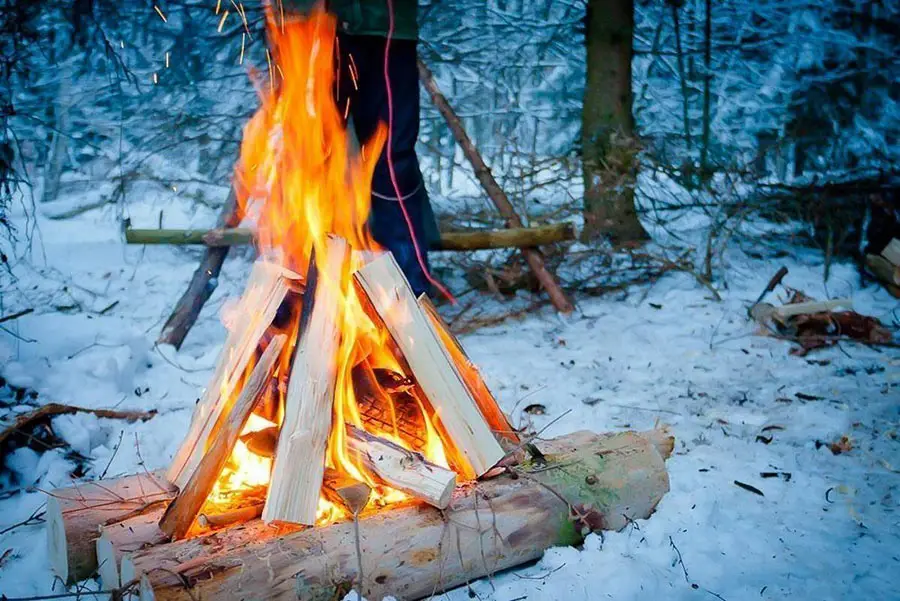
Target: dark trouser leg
(404,188)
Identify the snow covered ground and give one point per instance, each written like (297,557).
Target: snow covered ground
(663,352)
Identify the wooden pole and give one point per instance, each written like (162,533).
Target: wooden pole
(533,257)
(603,482)
(182,511)
(202,283)
(449,240)
(382,284)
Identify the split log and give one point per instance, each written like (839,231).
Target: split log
(462,240)
(533,256)
(382,282)
(792,309)
(203,282)
(487,404)
(402,469)
(75,514)
(891,252)
(26,421)
(592,482)
(882,269)
(300,457)
(266,289)
(183,510)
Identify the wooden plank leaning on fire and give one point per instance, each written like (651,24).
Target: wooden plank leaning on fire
(382,284)
(266,288)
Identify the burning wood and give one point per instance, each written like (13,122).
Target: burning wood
(266,289)
(183,510)
(402,469)
(413,552)
(300,456)
(384,286)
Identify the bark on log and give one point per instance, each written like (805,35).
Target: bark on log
(266,288)
(592,482)
(74,516)
(533,257)
(203,282)
(486,402)
(401,469)
(126,536)
(449,240)
(383,284)
(183,510)
(300,457)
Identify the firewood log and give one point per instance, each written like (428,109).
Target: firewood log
(266,289)
(183,510)
(75,514)
(401,469)
(300,456)
(592,482)
(382,284)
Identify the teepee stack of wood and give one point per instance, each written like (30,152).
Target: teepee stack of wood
(153,536)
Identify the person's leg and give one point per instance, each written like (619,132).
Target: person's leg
(388,222)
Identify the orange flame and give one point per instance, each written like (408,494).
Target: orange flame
(299,180)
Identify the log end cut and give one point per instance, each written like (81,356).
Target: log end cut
(56,539)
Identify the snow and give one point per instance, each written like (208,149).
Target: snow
(664,352)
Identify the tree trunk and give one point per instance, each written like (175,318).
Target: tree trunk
(609,150)
(603,482)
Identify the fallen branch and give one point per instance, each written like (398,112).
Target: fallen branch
(533,257)
(203,282)
(29,420)
(449,240)
(16,315)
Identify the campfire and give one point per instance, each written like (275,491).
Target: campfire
(342,414)
(333,373)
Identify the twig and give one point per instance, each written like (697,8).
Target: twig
(113,455)
(36,517)
(17,315)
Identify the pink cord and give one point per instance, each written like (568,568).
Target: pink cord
(390,158)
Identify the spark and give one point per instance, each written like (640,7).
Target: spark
(271,74)
(347,109)
(155,78)
(160,13)
(239,7)
(167,59)
(353,72)
(222,21)
(243,37)
(121,43)
(218,5)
